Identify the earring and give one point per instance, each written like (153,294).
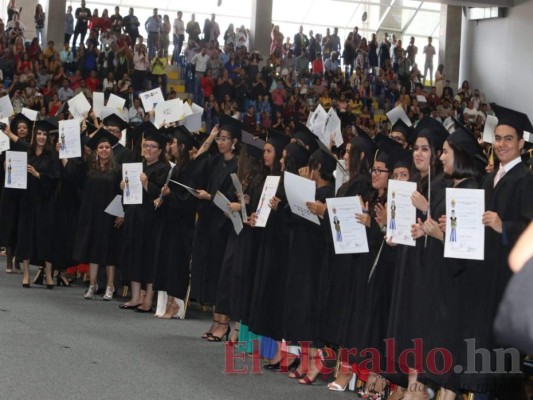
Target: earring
(232,147)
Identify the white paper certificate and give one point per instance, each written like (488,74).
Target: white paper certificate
(222,202)
(16,170)
(465,233)
(167,112)
(238,188)
(349,236)
(151,99)
(69,138)
(79,106)
(4,139)
(300,191)
(340,174)
(116,103)
(98,103)
(401,213)
(133,190)
(263,209)
(6,108)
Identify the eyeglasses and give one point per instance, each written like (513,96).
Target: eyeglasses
(398,139)
(401,175)
(378,171)
(222,139)
(150,146)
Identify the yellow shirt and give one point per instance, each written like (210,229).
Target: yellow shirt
(159,65)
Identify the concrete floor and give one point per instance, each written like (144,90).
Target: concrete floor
(54,344)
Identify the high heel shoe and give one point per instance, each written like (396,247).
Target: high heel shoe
(214,338)
(334,386)
(108,296)
(39,277)
(89,294)
(179,314)
(208,334)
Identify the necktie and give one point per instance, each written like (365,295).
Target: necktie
(499,175)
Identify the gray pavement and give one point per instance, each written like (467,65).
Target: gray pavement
(54,344)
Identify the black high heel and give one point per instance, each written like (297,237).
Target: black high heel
(214,338)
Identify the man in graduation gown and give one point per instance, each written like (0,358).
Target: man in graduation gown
(509,209)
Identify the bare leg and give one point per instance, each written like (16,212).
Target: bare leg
(148,298)
(221,327)
(314,367)
(26,272)
(110,269)
(48,274)
(135,294)
(93,274)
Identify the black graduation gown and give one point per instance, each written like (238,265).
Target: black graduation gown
(138,250)
(407,301)
(10,203)
(445,288)
(511,199)
(122,154)
(241,252)
(307,245)
(96,238)
(173,236)
(338,275)
(267,302)
(376,295)
(36,211)
(67,204)
(211,232)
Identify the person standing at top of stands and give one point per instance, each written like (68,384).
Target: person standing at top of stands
(214,32)
(131,26)
(179,36)
(193,29)
(153,26)
(300,42)
(429,52)
(83,16)
(412,50)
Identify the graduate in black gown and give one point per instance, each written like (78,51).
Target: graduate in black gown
(174,226)
(241,248)
(307,244)
(138,252)
(21,127)
(35,220)
(410,272)
(463,161)
(339,271)
(212,227)
(509,209)
(267,304)
(115,125)
(96,241)
(271,155)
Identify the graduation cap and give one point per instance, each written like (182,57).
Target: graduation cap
(185,137)
(299,153)
(232,125)
(278,140)
(254,145)
(432,130)
(18,119)
(158,137)
(364,143)
(101,136)
(44,125)
(115,120)
(465,140)
(305,136)
(392,153)
(402,128)
(515,119)
(328,162)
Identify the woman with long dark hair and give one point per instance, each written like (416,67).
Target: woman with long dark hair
(174,226)
(35,220)
(96,241)
(241,248)
(19,132)
(213,228)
